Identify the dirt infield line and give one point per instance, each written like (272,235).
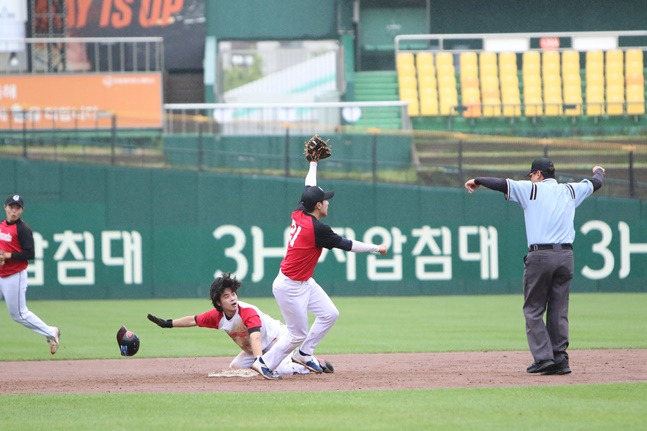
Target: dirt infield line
(352,372)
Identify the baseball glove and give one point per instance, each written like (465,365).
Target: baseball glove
(316,149)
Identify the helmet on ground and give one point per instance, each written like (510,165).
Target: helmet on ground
(128,342)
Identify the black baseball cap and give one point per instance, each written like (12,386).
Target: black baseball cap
(15,199)
(544,165)
(314,194)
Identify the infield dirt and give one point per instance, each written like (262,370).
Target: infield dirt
(352,372)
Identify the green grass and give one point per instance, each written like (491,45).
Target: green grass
(366,324)
(592,407)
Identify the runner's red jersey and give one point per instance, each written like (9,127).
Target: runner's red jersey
(308,237)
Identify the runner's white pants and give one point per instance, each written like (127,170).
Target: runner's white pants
(286,367)
(295,299)
(13,289)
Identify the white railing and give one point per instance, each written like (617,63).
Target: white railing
(520,42)
(275,118)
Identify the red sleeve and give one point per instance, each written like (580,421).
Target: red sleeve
(209,319)
(250,318)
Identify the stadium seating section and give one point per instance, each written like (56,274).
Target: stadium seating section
(545,83)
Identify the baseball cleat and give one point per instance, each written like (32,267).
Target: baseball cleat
(54,342)
(262,369)
(310,362)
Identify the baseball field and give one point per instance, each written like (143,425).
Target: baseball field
(433,362)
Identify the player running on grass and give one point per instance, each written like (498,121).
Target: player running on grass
(16,250)
(296,292)
(251,329)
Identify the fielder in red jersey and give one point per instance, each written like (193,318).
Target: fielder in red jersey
(296,292)
(16,249)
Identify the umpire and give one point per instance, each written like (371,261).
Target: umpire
(549,210)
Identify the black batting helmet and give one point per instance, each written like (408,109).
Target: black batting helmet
(128,342)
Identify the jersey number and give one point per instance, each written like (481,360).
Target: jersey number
(294,232)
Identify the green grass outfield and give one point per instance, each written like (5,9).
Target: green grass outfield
(366,325)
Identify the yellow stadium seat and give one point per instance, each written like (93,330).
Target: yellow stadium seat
(444,57)
(573,97)
(595,79)
(424,58)
(635,99)
(488,58)
(406,70)
(490,86)
(634,54)
(488,70)
(472,101)
(407,81)
(408,92)
(469,75)
(530,59)
(511,105)
(615,99)
(509,81)
(594,55)
(426,69)
(445,70)
(613,69)
(533,104)
(507,70)
(427,81)
(551,80)
(468,58)
(550,62)
(553,101)
(570,57)
(448,100)
(404,59)
(594,99)
(634,78)
(446,81)
(572,80)
(509,89)
(491,106)
(507,58)
(429,106)
(614,56)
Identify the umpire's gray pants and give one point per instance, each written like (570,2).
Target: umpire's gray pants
(547,278)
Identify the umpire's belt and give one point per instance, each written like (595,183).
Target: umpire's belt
(554,247)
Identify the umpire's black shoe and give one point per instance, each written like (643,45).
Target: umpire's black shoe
(537,367)
(557,369)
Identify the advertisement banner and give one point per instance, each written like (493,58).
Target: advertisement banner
(84,101)
(180,22)
(114,233)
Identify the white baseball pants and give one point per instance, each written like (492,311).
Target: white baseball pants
(295,299)
(13,289)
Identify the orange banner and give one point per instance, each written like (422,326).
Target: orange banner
(81,101)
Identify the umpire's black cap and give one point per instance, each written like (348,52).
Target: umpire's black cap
(15,199)
(314,194)
(544,165)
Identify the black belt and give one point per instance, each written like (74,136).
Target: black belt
(556,247)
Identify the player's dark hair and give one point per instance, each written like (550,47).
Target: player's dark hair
(219,285)
(548,173)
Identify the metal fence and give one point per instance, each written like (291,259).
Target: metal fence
(86,54)
(444,159)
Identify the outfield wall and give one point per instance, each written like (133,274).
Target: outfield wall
(106,232)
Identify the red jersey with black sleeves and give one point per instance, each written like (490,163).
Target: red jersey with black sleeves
(247,319)
(308,237)
(16,238)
